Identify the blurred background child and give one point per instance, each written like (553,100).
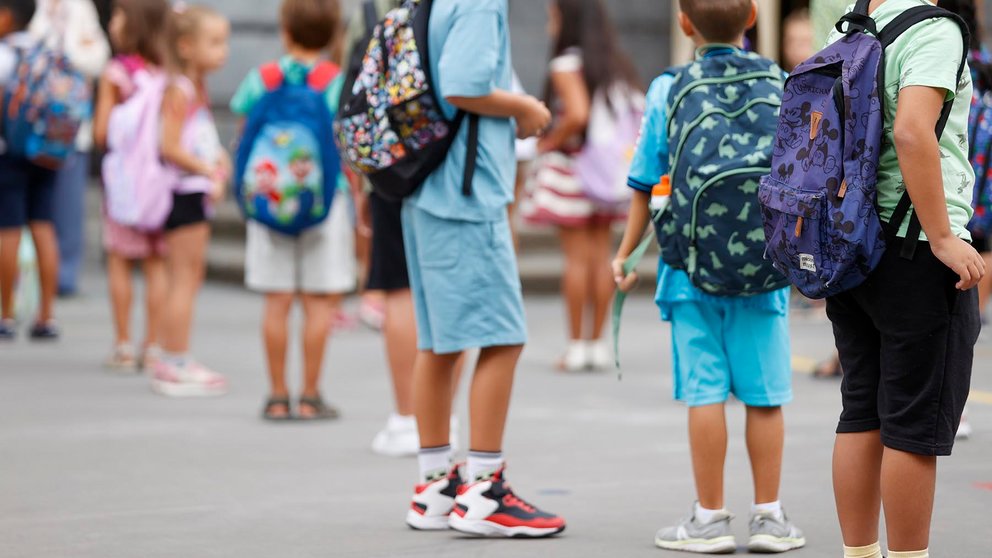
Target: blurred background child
(197,45)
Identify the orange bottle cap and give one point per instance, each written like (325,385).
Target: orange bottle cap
(663,188)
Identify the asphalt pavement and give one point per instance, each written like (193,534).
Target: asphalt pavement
(93,465)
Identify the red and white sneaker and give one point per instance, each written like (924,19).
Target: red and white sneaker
(192,380)
(433,502)
(490,508)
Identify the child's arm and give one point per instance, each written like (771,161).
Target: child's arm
(531,115)
(637,222)
(570,88)
(106,99)
(175,107)
(919,159)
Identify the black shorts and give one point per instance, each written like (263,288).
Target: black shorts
(981,243)
(387,271)
(27,193)
(187,209)
(906,339)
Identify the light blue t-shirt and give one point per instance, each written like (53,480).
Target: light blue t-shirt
(650,163)
(469,44)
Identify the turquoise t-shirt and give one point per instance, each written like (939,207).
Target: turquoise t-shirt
(650,163)
(469,43)
(252,90)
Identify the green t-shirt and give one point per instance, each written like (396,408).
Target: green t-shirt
(252,89)
(927,55)
(825,14)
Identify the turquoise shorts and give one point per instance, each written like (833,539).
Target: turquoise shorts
(729,346)
(465,283)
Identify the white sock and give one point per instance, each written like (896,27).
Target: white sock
(482,465)
(925,553)
(870,551)
(705,516)
(773,509)
(434,463)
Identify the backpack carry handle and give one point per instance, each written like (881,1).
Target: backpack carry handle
(858,20)
(319,78)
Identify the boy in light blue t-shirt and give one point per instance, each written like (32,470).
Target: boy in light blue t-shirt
(722,345)
(464,278)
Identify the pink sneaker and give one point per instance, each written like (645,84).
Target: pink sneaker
(192,380)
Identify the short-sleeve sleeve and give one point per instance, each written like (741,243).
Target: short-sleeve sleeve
(471,54)
(931,56)
(650,161)
(570,61)
(251,90)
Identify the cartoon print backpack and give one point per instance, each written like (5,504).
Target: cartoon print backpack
(723,110)
(287,166)
(611,139)
(137,183)
(980,155)
(819,201)
(45,107)
(391,126)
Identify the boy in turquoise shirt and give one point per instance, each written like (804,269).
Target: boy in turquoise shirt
(464,278)
(722,345)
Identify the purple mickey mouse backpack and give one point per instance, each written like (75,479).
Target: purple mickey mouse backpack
(819,202)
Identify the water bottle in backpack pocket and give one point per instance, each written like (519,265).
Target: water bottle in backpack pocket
(44,107)
(287,166)
(138,185)
(819,202)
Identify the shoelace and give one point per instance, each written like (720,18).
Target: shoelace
(511,500)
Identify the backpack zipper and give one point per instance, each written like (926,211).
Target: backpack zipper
(715,81)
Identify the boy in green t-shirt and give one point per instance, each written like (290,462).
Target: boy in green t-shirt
(906,336)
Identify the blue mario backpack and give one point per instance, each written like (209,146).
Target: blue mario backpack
(287,166)
(44,107)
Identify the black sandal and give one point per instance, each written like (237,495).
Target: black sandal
(268,413)
(322,411)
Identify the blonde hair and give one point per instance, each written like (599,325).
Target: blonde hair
(185,22)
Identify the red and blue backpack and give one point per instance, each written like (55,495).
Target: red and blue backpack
(287,166)
(980,154)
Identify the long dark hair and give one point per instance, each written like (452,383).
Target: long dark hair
(969,13)
(586,25)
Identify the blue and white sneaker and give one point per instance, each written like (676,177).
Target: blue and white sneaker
(8,330)
(45,331)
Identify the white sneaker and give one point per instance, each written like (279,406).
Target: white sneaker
(576,357)
(965,430)
(600,355)
(399,438)
(191,380)
(122,360)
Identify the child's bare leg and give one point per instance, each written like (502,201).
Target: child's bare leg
(857,472)
(156,291)
(121,295)
(10,244)
(47,247)
(908,485)
(275,332)
(765,445)
(492,387)
(708,442)
(575,279)
(601,278)
(432,388)
(187,254)
(318,311)
(400,331)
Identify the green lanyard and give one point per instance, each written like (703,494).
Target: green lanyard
(620,297)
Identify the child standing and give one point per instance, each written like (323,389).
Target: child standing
(27,195)
(196,46)
(728,309)
(907,366)
(464,278)
(318,266)
(136,30)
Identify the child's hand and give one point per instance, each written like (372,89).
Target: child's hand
(218,191)
(963,259)
(625,281)
(534,118)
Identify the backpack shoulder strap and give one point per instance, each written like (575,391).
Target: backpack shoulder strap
(321,76)
(272,76)
(371,16)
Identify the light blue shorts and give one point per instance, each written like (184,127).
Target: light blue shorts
(465,283)
(728,346)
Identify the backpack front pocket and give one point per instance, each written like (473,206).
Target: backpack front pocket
(792,222)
